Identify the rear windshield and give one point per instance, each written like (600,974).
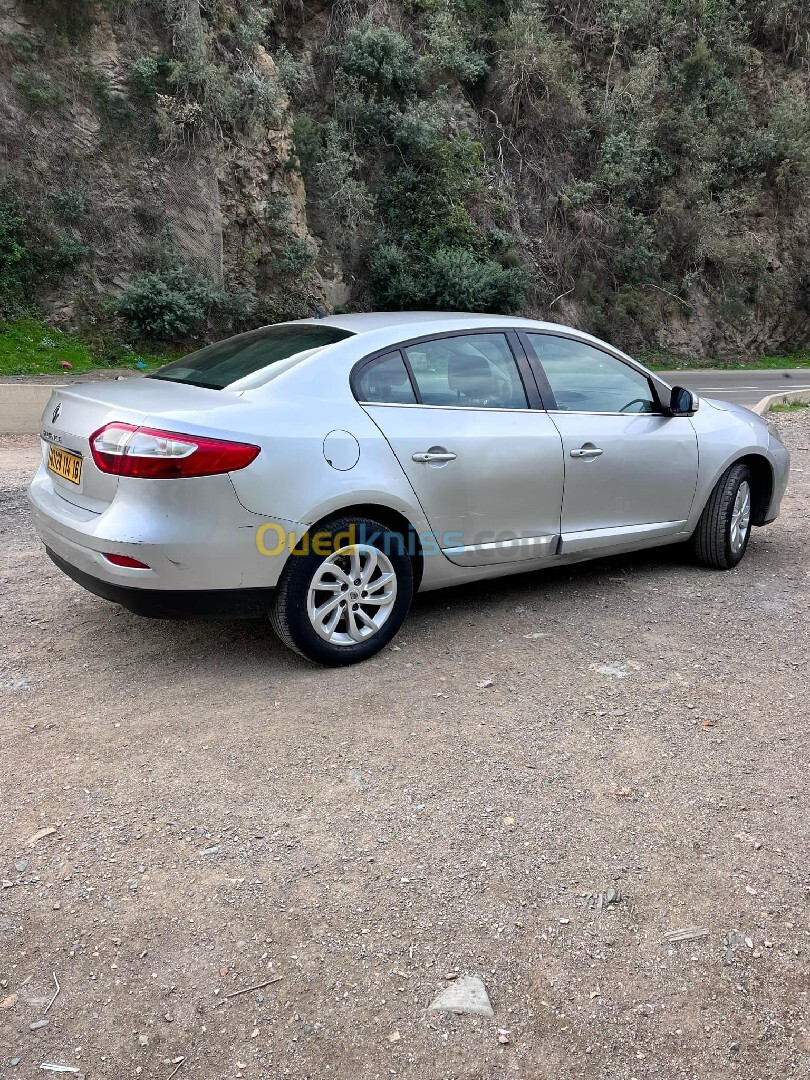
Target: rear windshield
(250,359)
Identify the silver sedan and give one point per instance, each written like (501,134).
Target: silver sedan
(323,471)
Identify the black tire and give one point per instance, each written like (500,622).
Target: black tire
(289,612)
(711,541)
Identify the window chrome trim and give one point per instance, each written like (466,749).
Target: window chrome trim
(595,412)
(455,408)
(501,408)
(538,389)
(523,365)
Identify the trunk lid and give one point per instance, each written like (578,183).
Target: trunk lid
(74,413)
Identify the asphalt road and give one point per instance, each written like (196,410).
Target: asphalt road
(743,387)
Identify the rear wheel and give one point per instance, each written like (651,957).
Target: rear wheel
(722,533)
(345,595)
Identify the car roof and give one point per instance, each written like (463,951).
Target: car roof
(368,321)
(391,327)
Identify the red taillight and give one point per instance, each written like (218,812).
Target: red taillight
(125,560)
(126,450)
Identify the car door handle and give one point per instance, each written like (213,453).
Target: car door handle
(587,452)
(435,455)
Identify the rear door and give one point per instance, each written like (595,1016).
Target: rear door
(485,465)
(630,471)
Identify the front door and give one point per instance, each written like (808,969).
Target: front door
(630,471)
(486,468)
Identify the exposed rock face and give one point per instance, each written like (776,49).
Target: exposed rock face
(222,201)
(149,131)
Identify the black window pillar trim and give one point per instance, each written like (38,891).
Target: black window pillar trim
(533,375)
(543,385)
(417,393)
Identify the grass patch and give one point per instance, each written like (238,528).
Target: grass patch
(663,361)
(790,406)
(31,347)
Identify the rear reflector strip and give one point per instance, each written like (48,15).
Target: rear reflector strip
(125,560)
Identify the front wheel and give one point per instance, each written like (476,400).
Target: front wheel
(345,593)
(722,533)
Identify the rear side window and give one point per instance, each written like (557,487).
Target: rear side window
(385,380)
(473,370)
(251,359)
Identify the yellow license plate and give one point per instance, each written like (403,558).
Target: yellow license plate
(65,464)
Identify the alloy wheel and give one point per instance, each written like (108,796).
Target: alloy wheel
(351,595)
(740,517)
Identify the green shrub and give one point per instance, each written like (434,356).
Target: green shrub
(426,176)
(251,32)
(38,88)
(418,127)
(279,307)
(394,277)
(33,251)
(14,258)
(247,99)
(296,256)
(450,49)
(535,77)
(277,213)
(787,141)
(343,195)
(295,77)
(451,279)
(379,59)
(170,305)
(630,166)
(147,76)
(457,280)
(308,141)
(26,45)
(698,69)
(73,204)
(424,203)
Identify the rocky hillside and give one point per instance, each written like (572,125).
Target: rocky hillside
(639,168)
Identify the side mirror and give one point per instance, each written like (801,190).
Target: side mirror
(682,402)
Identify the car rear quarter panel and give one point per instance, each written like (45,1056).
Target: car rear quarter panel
(292,478)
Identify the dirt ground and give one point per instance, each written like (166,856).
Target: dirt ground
(221,814)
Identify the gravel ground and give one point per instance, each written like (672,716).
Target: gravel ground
(222,814)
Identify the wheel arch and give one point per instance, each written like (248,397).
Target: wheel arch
(762,482)
(388,516)
(762,477)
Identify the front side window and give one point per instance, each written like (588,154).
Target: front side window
(385,380)
(253,358)
(473,370)
(585,379)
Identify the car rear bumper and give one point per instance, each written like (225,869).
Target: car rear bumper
(194,538)
(173,603)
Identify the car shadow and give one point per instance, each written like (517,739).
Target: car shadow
(550,580)
(228,648)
